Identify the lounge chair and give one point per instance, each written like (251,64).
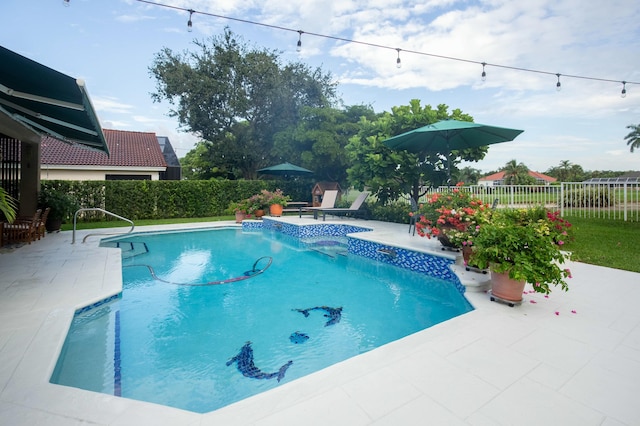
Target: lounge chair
(328,202)
(353,209)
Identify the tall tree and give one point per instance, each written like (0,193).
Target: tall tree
(393,174)
(318,140)
(566,172)
(237,97)
(517,174)
(633,138)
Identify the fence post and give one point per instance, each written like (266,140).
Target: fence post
(625,201)
(561,201)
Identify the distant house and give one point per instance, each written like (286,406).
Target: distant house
(497,179)
(133,156)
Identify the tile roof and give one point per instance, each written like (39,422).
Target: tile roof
(128,149)
(500,176)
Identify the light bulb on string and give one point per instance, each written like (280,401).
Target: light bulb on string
(398,61)
(189,23)
(66,2)
(623,94)
(558,85)
(299,45)
(483,77)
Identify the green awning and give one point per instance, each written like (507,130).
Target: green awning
(37,99)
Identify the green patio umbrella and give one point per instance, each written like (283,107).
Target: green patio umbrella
(285,169)
(447,135)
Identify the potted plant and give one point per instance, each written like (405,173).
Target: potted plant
(276,201)
(241,209)
(452,216)
(62,207)
(520,246)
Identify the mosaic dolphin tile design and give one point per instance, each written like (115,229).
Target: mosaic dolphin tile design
(298,337)
(334,314)
(246,366)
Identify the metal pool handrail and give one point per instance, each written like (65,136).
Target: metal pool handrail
(96,209)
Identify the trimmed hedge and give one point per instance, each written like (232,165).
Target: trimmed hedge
(163,199)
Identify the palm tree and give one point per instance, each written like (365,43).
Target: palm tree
(516,173)
(633,138)
(7,205)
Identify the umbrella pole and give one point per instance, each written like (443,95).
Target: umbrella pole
(448,168)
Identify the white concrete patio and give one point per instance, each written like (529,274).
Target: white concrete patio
(569,359)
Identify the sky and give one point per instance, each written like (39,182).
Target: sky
(112,43)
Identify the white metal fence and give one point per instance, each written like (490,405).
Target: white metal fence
(616,201)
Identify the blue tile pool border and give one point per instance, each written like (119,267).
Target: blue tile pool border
(424,263)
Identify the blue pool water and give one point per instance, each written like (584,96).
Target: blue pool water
(207,318)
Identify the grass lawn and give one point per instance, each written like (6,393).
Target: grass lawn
(611,243)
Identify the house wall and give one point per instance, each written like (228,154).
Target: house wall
(53,173)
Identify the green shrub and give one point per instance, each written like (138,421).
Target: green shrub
(588,197)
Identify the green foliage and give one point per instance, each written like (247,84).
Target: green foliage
(633,138)
(396,212)
(145,199)
(8,205)
(390,174)
(517,174)
(588,197)
(527,244)
(237,98)
(318,139)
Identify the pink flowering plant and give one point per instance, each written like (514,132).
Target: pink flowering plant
(526,244)
(452,216)
(273,197)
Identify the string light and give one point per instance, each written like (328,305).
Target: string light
(483,77)
(299,46)
(623,94)
(346,40)
(398,61)
(189,23)
(66,2)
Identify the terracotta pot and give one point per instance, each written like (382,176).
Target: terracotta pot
(240,217)
(503,287)
(275,209)
(259,213)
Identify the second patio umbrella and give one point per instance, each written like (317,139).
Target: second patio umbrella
(285,169)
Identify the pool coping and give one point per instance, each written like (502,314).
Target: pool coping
(387,383)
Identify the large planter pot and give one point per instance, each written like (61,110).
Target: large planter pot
(53,224)
(468,263)
(275,209)
(505,289)
(240,216)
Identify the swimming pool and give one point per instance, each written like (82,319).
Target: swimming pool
(173,341)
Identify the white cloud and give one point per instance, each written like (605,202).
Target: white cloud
(110,105)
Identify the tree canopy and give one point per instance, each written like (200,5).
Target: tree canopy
(236,98)
(392,174)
